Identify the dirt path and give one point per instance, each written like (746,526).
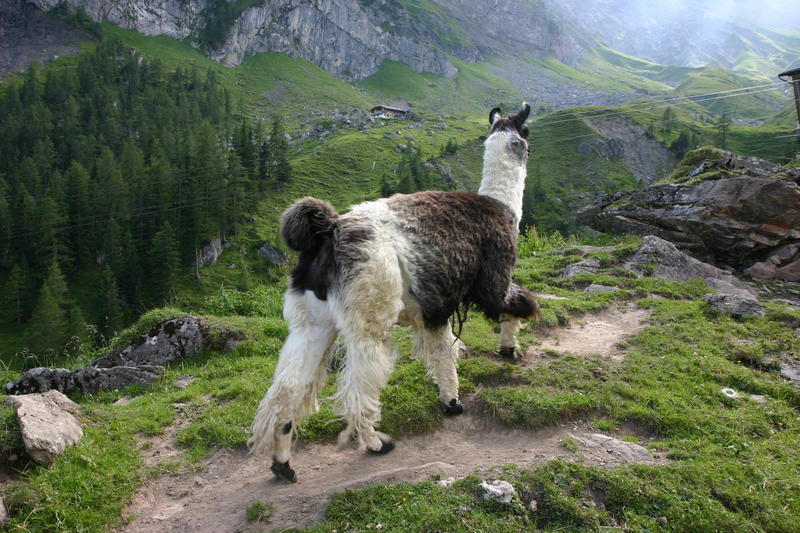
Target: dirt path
(214,498)
(596,333)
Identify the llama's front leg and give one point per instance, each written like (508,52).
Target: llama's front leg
(509,328)
(366,370)
(437,349)
(518,304)
(298,377)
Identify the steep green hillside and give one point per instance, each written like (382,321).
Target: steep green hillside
(760,105)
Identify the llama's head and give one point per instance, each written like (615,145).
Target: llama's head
(512,130)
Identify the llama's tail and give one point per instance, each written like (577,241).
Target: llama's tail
(307,224)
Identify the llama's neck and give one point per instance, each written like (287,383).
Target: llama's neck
(503,174)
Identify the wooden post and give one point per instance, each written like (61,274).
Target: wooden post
(795,76)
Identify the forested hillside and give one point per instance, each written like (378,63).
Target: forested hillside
(117,171)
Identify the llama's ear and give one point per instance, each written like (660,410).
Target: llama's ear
(522,116)
(494,114)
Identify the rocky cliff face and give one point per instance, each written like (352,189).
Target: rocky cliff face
(350,38)
(737,211)
(28,35)
(645,157)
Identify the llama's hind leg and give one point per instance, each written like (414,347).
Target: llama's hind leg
(298,377)
(366,369)
(437,349)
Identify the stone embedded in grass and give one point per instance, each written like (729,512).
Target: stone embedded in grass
(444,483)
(272,255)
(587,266)
(47,424)
(499,491)
(599,288)
(184,381)
(625,451)
(735,305)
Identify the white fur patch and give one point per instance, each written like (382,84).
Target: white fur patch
(503,176)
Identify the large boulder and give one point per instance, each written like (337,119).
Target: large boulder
(47,424)
(734,304)
(138,363)
(86,380)
(272,254)
(179,338)
(730,209)
(661,259)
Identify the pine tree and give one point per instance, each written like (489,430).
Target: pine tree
(48,328)
(680,145)
(164,264)
(78,334)
(386,187)
(668,120)
(723,127)
(279,151)
(17,288)
(111,314)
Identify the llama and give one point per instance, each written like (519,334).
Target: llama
(413,259)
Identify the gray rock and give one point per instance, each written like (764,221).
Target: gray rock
(790,369)
(783,263)
(737,211)
(499,491)
(587,266)
(626,451)
(139,363)
(661,259)
(272,255)
(736,305)
(86,380)
(3,512)
(408,137)
(184,381)
(47,424)
(599,288)
(179,338)
(208,254)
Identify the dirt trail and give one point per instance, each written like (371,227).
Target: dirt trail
(596,333)
(214,499)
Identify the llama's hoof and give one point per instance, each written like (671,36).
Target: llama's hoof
(509,353)
(284,471)
(453,408)
(386,447)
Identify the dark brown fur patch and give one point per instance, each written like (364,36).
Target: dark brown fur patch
(338,249)
(521,303)
(463,251)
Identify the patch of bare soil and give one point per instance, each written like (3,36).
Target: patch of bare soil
(596,333)
(159,448)
(215,498)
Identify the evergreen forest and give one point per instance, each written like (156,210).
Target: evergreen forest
(117,171)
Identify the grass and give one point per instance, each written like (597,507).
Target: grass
(259,512)
(733,460)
